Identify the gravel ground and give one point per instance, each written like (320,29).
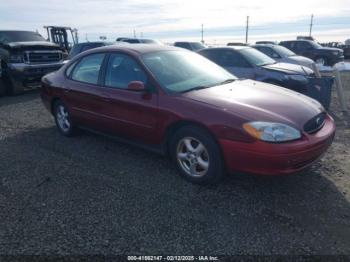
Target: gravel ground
(92,195)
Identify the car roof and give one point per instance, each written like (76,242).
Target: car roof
(226,48)
(299,40)
(267,45)
(135,48)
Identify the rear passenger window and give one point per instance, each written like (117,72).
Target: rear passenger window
(121,70)
(232,59)
(88,69)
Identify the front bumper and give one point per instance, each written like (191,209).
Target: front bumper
(277,159)
(29,75)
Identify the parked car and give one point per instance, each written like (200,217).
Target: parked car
(321,55)
(236,44)
(26,56)
(177,102)
(310,38)
(81,47)
(247,62)
(192,46)
(138,41)
(284,55)
(265,42)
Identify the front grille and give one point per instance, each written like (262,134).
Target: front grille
(39,57)
(315,123)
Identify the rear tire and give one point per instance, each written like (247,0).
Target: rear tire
(196,155)
(63,119)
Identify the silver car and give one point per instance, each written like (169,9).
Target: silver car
(282,54)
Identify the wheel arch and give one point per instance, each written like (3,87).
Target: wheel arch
(172,128)
(53,102)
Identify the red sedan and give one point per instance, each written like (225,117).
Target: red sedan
(179,103)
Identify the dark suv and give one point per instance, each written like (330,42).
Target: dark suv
(321,55)
(25,57)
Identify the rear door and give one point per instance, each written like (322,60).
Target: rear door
(84,95)
(132,114)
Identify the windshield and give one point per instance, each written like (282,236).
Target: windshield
(197,46)
(256,57)
(314,44)
(282,51)
(181,71)
(19,36)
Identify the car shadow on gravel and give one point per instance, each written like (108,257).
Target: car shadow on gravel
(92,195)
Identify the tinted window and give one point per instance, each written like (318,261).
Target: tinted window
(255,57)
(265,50)
(283,51)
(91,46)
(74,51)
(88,69)
(303,45)
(227,58)
(70,69)
(121,70)
(19,36)
(183,45)
(131,41)
(197,46)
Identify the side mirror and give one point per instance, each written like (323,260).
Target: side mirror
(136,86)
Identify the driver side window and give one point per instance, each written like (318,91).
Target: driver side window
(121,70)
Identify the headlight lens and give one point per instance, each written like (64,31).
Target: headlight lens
(16,58)
(335,52)
(272,132)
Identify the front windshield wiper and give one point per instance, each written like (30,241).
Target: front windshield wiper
(227,81)
(195,88)
(230,80)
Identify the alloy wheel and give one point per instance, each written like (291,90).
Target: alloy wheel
(192,156)
(63,118)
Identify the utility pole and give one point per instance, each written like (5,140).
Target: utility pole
(134,33)
(202,31)
(246,30)
(311,24)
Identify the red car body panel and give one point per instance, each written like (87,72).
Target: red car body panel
(147,117)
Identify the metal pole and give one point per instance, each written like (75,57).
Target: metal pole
(246,30)
(202,34)
(340,92)
(134,33)
(311,24)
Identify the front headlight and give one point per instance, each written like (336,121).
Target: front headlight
(272,132)
(16,58)
(335,53)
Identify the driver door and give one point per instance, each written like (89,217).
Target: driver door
(132,114)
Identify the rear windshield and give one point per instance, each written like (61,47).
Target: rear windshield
(19,36)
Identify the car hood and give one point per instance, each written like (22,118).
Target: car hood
(255,101)
(330,49)
(301,59)
(288,68)
(36,44)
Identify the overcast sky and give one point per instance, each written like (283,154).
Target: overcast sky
(170,20)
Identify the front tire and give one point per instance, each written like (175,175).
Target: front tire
(196,155)
(63,119)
